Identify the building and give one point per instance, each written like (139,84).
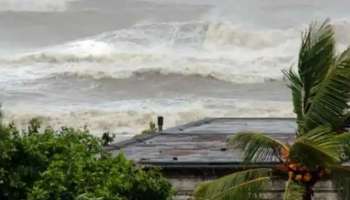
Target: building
(197,151)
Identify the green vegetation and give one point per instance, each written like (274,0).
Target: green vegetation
(70,164)
(321,92)
(107,138)
(151,129)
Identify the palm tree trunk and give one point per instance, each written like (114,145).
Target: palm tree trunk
(308,192)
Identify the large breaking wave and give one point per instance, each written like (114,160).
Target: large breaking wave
(223,51)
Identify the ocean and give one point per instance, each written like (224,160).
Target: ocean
(115,65)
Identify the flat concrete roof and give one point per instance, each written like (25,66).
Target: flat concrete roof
(201,143)
(235,125)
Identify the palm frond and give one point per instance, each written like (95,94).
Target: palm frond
(296,85)
(341,180)
(344,139)
(248,185)
(293,191)
(325,101)
(316,55)
(319,147)
(329,104)
(258,147)
(321,89)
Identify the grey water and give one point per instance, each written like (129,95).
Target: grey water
(115,65)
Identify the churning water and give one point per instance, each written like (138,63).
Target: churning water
(116,64)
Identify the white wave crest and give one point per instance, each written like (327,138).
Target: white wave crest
(224,51)
(131,117)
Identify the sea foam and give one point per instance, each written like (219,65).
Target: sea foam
(223,51)
(132,116)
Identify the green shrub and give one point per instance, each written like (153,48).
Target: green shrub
(107,138)
(151,129)
(70,164)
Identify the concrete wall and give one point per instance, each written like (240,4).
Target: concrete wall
(185,186)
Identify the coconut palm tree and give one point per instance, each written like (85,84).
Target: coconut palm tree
(321,92)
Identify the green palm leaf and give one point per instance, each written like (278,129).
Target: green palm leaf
(341,178)
(296,86)
(319,147)
(293,191)
(321,89)
(329,105)
(344,139)
(247,185)
(257,146)
(316,55)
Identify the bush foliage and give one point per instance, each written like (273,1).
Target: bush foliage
(70,164)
